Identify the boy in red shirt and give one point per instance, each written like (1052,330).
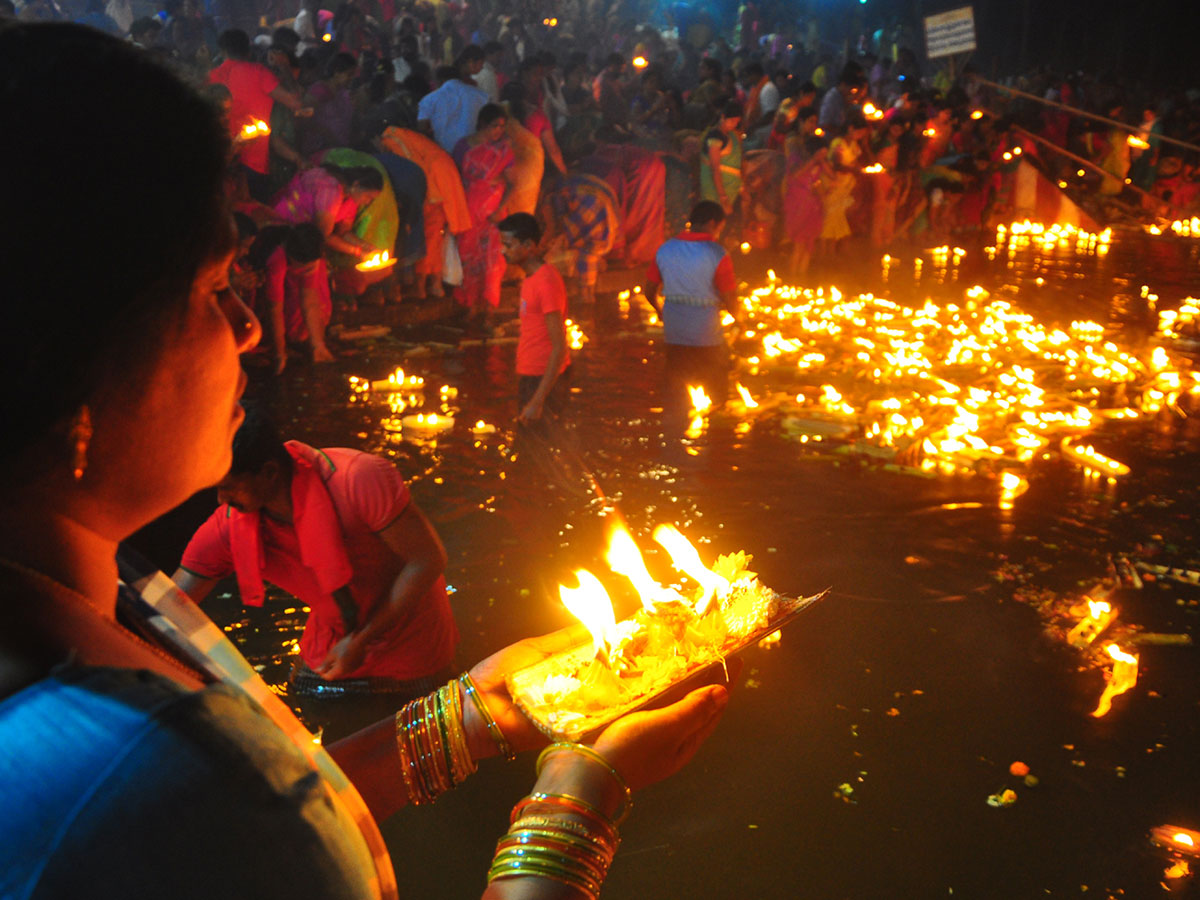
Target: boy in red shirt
(543,364)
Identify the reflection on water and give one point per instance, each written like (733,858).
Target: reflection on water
(918,622)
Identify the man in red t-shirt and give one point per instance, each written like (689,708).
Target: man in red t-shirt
(254,90)
(337,529)
(543,364)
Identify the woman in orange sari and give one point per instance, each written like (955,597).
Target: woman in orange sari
(445,203)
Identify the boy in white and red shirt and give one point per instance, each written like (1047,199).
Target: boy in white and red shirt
(543,364)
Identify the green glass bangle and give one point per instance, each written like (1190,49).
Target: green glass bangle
(502,743)
(513,866)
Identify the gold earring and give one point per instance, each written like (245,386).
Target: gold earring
(81,436)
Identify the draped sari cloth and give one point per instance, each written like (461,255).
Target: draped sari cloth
(529,164)
(445,201)
(483,166)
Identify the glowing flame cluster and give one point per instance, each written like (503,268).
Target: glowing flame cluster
(1021,235)
(591,604)
(380,260)
(255,128)
(1187,228)
(1123,677)
(575,336)
(958,382)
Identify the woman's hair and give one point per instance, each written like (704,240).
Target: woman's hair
(362,177)
(341,62)
(491,112)
(101,247)
(513,93)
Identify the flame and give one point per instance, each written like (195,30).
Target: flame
(701,403)
(1097,608)
(255,128)
(873,169)
(750,402)
(686,559)
(1124,676)
(590,604)
(1134,141)
(1182,837)
(640,62)
(624,558)
(380,260)
(977,114)
(1180,869)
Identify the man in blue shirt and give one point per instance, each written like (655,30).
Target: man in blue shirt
(449,113)
(695,275)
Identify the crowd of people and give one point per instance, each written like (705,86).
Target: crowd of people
(414,128)
(470,146)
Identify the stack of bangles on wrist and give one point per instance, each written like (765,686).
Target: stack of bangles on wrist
(432,744)
(432,740)
(560,836)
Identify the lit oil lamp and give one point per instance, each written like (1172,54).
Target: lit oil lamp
(873,169)
(255,128)
(481,427)
(1177,839)
(640,62)
(427,423)
(1137,143)
(376,261)
(1100,614)
(671,637)
(398,382)
(1123,677)
(701,404)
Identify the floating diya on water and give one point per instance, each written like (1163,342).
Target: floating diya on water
(670,639)
(1123,677)
(398,382)
(427,423)
(1100,614)
(377,261)
(482,427)
(1176,838)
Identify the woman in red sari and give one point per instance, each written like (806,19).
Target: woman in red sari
(486,160)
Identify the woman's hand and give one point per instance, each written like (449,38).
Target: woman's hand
(488,676)
(648,746)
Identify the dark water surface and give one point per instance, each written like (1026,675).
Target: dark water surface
(857,755)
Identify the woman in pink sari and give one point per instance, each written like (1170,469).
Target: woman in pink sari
(486,160)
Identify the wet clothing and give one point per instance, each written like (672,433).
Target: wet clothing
(541,293)
(693,270)
(341,499)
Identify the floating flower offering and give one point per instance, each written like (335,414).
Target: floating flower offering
(380,260)
(950,387)
(674,635)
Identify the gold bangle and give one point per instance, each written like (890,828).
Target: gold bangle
(502,743)
(588,753)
